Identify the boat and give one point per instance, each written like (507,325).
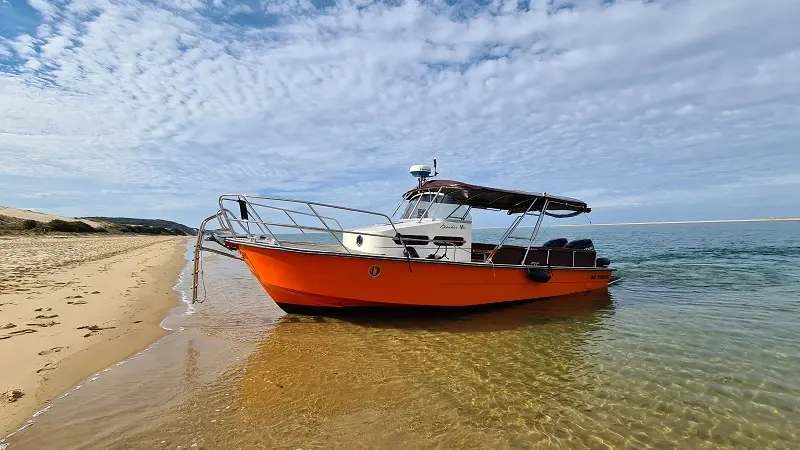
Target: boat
(423,255)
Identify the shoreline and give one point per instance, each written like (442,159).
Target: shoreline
(91,302)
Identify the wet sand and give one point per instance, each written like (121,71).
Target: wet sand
(72,305)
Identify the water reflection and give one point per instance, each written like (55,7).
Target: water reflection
(365,381)
(484,318)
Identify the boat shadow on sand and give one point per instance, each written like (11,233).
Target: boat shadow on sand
(483,318)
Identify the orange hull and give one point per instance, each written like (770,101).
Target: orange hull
(303,279)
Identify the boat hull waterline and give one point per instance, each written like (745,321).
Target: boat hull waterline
(325,280)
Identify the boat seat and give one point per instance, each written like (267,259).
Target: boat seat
(566,257)
(555,243)
(507,254)
(542,256)
(581,244)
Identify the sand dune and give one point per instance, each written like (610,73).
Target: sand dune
(71,306)
(25,214)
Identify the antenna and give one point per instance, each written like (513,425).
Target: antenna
(438,137)
(423,171)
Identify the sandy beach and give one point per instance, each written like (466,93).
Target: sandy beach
(73,305)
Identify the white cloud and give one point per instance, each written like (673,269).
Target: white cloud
(636,99)
(47,9)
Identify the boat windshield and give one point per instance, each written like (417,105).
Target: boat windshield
(435,206)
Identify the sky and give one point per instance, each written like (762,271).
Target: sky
(647,110)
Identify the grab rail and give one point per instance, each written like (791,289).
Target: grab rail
(287,211)
(199,247)
(251,207)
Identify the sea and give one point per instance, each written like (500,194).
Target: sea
(698,346)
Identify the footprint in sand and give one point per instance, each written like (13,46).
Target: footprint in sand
(7,326)
(48,366)
(46,317)
(74,296)
(44,325)
(51,351)
(79,302)
(13,395)
(94,329)
(17,333)
(95,292)
(42,309)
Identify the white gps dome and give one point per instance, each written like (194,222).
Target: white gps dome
(420,171)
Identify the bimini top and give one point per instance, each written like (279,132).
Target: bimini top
(500,199)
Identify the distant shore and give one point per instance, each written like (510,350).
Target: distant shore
(71,306)
(674,222)
(24,222)
(679,222)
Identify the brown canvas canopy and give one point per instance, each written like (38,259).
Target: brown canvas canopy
(501,199)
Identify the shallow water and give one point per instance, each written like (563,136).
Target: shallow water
(698,347)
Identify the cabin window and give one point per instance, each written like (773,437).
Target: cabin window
(417,206)
(435,206)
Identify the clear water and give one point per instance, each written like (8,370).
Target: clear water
(698,347)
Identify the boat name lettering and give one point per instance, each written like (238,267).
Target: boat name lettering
(601,277)
(445,226)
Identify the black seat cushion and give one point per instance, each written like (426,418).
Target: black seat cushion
(555,243)
(581,244)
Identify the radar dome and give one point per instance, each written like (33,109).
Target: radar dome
(420,171)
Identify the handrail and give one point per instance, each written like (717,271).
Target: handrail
(253,202)
(305,202)
(219,220)
(224,212)
(325,230)
(255,213)
(198,245)
(293,221)
(234,197)
(287,211)
(329,229)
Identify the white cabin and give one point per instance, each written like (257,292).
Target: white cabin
(433,225)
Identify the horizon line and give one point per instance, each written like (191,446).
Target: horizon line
(672,222)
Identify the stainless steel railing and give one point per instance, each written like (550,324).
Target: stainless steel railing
(249,220)
(251,208)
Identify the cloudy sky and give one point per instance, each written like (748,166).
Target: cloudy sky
(648,110)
